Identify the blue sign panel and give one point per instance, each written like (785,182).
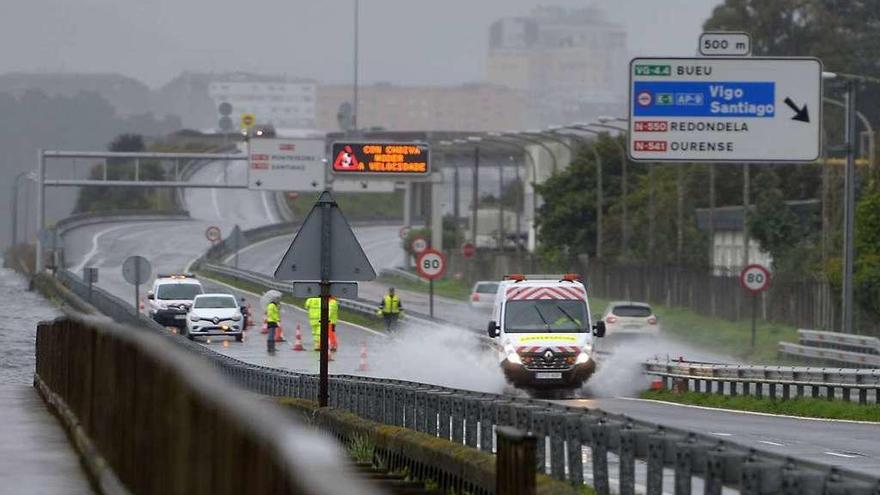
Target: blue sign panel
(704,99)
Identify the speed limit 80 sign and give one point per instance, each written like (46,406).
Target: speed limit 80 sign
(431,264)
(755,278)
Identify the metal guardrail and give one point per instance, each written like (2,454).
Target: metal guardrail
(196,434)
(470,418)
(397,272)
(775,382)
(834,348)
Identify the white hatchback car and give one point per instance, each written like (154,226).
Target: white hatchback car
(629,319)
(215,314)
(483,294)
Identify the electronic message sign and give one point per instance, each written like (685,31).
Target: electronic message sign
(380,158)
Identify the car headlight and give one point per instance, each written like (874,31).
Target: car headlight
(193,318)
(236,317)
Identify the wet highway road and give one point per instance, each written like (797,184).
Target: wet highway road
(446,357)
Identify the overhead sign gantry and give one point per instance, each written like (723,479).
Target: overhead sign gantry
(725,109)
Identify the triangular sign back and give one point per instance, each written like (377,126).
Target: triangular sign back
(303,258)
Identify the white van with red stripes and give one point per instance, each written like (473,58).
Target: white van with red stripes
(545,332)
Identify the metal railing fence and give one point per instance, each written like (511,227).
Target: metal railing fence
(774,382)
(158,417)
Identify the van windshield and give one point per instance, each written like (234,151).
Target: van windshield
(182,292)
(546,315)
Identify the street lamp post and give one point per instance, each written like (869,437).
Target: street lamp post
(505,140)
(599,200)
(623,186)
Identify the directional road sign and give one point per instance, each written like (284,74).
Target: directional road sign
(286,164)
(755,278)
(725,109)
(345,256)
(431,264)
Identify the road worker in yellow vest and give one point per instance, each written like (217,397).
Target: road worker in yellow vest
(390,309)
(333,317)
(313,306)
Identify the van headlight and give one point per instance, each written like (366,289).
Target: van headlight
(584,355)
(236,317)
(193,318)
(512,356)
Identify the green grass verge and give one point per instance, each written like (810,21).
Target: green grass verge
(447,287)
(732,338)
(345,315)
(804,407)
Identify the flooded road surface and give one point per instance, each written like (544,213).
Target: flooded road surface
(35,454)
(20,311)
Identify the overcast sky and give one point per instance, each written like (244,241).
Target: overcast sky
(402,41)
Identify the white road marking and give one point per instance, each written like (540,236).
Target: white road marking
(734,411)
(301,310)
(254,245)
(839,454)
(768,442)
(269,213)
(95,241)
(214,199)
(718,433)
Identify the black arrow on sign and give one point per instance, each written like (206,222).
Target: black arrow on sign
(801,114)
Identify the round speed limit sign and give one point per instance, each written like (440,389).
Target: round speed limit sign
(755,278)
(212,233)
(419,245)
(431,264)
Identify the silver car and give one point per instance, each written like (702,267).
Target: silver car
(483,295)
(629,318)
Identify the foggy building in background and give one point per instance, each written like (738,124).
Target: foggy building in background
(467,107)
(570,63)
(282,101)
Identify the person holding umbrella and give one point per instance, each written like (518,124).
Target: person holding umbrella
(272,300)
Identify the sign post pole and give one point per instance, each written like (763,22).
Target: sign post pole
(755,279)
(754,317)
(137,286)
(324,393)
(431,298)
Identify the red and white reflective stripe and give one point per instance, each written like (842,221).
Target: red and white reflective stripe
(560,349)
(523,293)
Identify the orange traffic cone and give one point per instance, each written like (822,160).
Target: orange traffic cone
(279,334)
(363,364)
(298,340)
(265,328)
